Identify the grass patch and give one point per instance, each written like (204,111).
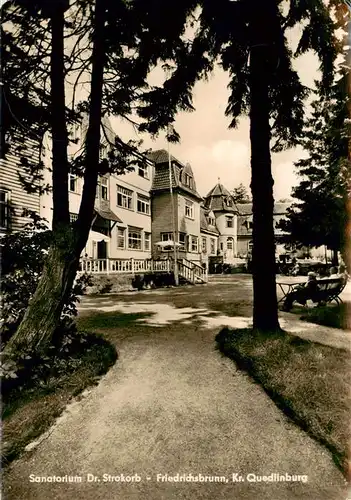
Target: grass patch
(308,381)
(336,316)
(33,400)
(110,320)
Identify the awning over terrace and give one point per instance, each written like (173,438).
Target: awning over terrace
(106,213)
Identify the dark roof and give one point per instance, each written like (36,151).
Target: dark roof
(106,213)
(161,156)
(204,225)
(245,216)
(244,208)
(243,228)
(161,178)
(219,199)
(203,220)
(178,171)
(279,208)
(218,190)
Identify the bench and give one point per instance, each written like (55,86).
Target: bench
(326,290)
(329,289)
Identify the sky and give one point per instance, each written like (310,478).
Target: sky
(213,150)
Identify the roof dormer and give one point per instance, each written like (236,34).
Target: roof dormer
(211,219)
(187,177)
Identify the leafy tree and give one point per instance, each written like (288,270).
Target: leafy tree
(116,43)
(249,40)
(122,41)
(240,194)
(320,216)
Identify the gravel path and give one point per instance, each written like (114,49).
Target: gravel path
(170,405)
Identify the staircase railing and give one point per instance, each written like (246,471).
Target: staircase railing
(186,272)
(192,272)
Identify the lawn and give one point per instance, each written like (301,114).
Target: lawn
(336,316)
(310,382)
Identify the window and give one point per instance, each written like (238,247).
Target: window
(104,188)
(169,237)
(147,241)
(193,244)
(73,217)
(204,244)
(182,238)
(221,246)
(121,238)
(213,246)
(230,244)
(134,238)
(124,197)
(143,170)
(143,204)
(189,209)
(248,223)
(229,201)
(211,221)
(166,236)
(188,180)
(4,209)
(73,183)
(102,152)
(229,221)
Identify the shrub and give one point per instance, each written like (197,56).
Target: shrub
(22,259)
(106,287)
(138,282)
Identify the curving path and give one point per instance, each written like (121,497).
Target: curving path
(173,405)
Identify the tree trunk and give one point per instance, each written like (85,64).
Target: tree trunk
(60,168)
(265,308)
(44,310)
(92,144)
(43,313)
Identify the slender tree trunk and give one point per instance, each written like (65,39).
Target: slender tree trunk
(265,308)
(60,168)
(43,312)
(45,308)
(86,210)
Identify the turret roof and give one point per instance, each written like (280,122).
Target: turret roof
(219,199)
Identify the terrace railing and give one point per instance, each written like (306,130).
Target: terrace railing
(123,266)
(190,271)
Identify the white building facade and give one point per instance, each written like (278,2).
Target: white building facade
(121,227)
(135,211)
